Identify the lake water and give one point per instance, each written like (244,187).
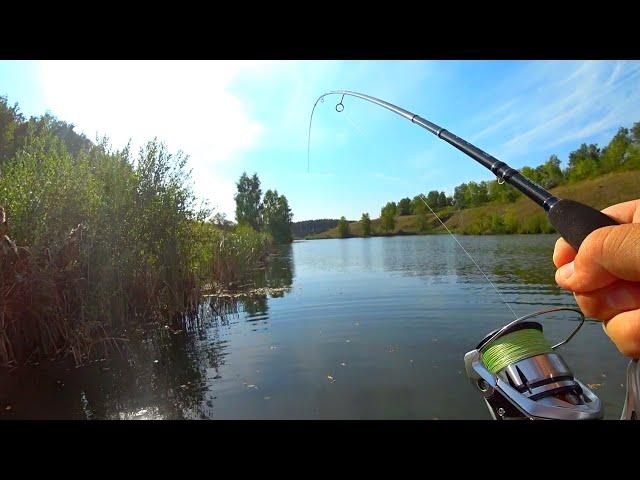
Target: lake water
(359,329)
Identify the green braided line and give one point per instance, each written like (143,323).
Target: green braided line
(513,347)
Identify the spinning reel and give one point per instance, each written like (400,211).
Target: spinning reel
(520,376)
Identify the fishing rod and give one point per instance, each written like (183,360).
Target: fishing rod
(514,368)
(573,220)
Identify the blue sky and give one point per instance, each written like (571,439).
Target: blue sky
(236,116)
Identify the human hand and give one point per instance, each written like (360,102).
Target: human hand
(604,275)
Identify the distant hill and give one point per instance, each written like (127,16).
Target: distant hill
(309,227)
(521,216)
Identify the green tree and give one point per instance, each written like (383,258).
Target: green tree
(387,217)
(584,162)
(404,206)
(614,154)
(343,228)
(248,201)
(416,203)
(277,216)
(366,225)
(460,196)
(442,200)
(432,199)
(635,132)
(420,208)
(10,122)
(549,173)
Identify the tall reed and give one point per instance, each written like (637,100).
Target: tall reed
(98,240)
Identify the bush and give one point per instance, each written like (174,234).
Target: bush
(97,239)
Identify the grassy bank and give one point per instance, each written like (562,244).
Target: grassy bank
(521,216)
(94,240)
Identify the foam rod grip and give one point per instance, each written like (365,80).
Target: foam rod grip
(574,221)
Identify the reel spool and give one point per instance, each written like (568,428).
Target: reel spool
(521,377)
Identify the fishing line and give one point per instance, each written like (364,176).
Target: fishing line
(353,123)
(468,255)
(513,347)
(514,368)
(340,108)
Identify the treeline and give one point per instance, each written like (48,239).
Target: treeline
(308,227)
(93,238)
(589,161)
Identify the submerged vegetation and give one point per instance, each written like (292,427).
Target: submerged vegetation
(94,238)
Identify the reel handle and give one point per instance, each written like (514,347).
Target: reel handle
(575,220)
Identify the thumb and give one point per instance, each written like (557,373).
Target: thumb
(606,255)
(624,331)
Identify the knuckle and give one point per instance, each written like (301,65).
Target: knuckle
(594,306)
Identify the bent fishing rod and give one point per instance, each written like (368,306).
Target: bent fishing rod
(514,367)
(573,220)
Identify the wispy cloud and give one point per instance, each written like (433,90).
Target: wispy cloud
(495,127)
(592,98)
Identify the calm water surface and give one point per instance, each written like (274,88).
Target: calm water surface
(361,329)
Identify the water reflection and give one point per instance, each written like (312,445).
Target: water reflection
(357,328)
(165,372)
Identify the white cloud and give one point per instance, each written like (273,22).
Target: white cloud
(591,98)
(186,104)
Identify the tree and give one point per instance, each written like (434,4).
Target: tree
(549,173)
(476,193)
(387,217)
(420,207)
(10,121)
(483,194)
(404,206)
(635,132)
(221,222)
(366,224)
(343,228)
(416,203)
(276,216)
(614,154)
(432,199)
(459,196)
(248,201)
(442,200)
(584,162)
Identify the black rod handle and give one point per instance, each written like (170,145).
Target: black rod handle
(575,220)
